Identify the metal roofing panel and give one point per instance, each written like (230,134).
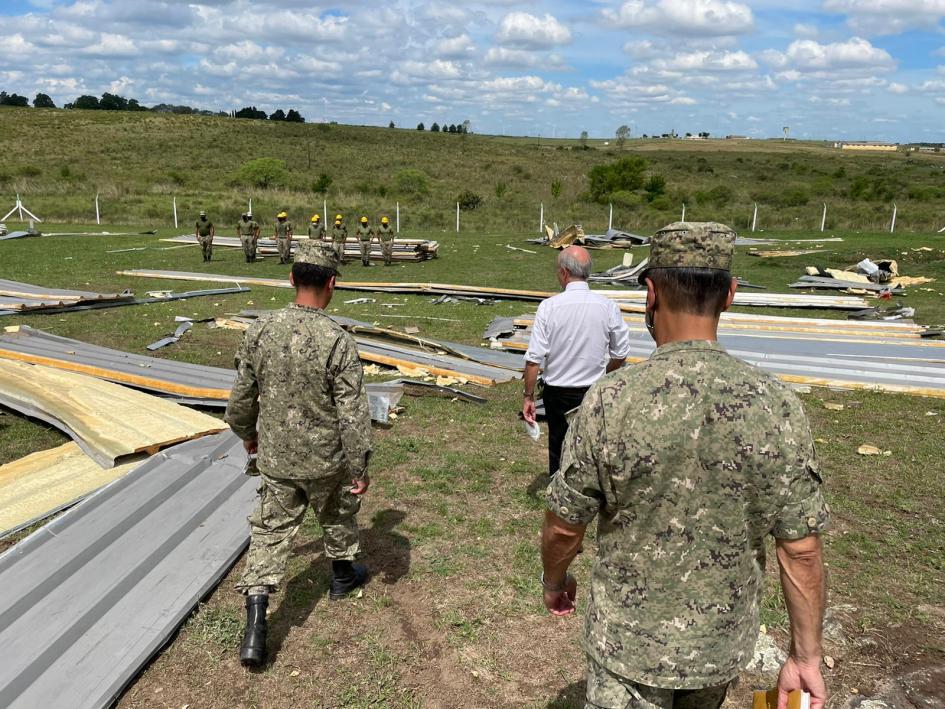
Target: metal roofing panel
(93,595)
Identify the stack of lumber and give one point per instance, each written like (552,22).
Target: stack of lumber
(404,249)
(25,297)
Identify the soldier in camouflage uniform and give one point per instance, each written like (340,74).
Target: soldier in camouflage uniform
(299,400)
(365,236)
(283,236)
(204,231)
(690,459)
(385,235)
(248,231)
(339,234)
(316,230)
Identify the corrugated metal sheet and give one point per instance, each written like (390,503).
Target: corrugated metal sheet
(26,296)
(93,595)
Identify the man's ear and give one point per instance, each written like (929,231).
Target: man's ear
(291,279)
(730,298)
(331,282)
(651,297)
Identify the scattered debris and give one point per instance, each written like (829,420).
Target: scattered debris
(868,449)
(516,248)
(778,254)
(404,249)
(833,407)
(360,301)
(172,339)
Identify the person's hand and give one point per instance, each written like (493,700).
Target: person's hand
(561,603)
(528,410)
(805,676)
(359,486)
(252,447)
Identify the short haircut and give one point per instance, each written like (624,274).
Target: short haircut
(309,275)
(575,266)
(698,291)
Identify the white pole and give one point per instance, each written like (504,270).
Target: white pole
(541,217)
(250,208)
(97,219)
(19,207)
(398,217)
(823,219)
(457,217)
(610,219)
(683,217)
(325,212)
(174,202)
(892,227)
(754,217)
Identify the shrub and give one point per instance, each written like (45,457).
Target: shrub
(322,183)
(624,175)
(468,200)
(625,199)
(263,172)
(556,188)
(177,178)
(795,197)
(29,171)
(662,204)
(655,187)
(718,196)
(500,189)
(411,181)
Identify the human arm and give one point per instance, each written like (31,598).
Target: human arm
(354,416)
(242,409)
(560,543)
(531,381)
(802,582)
(213,231)
(615,364)
(619,339)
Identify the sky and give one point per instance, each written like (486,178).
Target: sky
(826,69)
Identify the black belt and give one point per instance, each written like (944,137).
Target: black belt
(559,388)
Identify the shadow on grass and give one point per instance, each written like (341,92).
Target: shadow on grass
(385,552)
(570,697)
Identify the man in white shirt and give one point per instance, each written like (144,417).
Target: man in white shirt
(578,335)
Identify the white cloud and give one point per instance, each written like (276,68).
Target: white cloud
(521,29)
(412,71)
(458,47)
(706,61)
(642,49)
(898,88)
(806,31)
(522,59)
(692,17)
(112,45)
(888,16)
(806,55)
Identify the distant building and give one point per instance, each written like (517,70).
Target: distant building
(868,145)
(737,137)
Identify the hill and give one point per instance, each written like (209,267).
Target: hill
(58,160)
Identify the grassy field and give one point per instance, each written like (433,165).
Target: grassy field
(453,615)
(58,160)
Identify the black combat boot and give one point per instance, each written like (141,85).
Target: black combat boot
(345,578)
(253,649)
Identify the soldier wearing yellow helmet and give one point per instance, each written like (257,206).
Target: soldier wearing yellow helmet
(283,237)
(316,230)
(339,234)
(365,236)
(385,234)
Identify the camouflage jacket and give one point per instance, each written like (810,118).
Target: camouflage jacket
(691,458)
(385,232)
(316,231)
(299,380)
(364,233)
(247,228)
(339,233)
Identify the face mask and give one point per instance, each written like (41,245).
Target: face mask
(648,321)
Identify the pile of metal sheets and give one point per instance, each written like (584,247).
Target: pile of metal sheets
(404,249)
(889,357)
(26,297)
(96,593)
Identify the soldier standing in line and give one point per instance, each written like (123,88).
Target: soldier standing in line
(248,232)
(283,236)
(339,235)
(691,459)
(299,402)
(365,237)
(385,235)
(204,231)
(316,230)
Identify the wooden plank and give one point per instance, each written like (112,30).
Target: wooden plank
(110,422)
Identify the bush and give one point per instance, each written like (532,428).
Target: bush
(321,185)
(500,189)
(624,175)
(662,204)
(263,172)
(625,199)
(177,178)
(29,171)
(718,196)
(411,181)
(795,197)
(655,187)
(556,188)
(469,201)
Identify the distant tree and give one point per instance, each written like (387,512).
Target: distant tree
(250,112)
(391,125)
(172,108)
(294,116)
(688,135)
(468,200)
(133,105)
(452,128)
(13,99)
(43,101)
(584,139)
(655,187)
(85,102)
(623,132)
(435,128)
(277,115)
(420,126)
(625,175)
(704,134)
(113,102)
(466,125)
(263,172)
(322,184)
(411,181)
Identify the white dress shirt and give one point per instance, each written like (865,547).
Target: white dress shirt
(576,333)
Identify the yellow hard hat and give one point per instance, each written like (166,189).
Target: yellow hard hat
(337,221)
(315,217)
(281,215)
(338,217)
(364,220)
(385,220)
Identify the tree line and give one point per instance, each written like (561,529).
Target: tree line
(452,128)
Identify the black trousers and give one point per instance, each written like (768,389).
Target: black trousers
(558,402)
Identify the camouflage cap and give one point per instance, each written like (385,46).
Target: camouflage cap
(691,245)
(318,254)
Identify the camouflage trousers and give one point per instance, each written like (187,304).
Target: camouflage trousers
(278,516)
(365,252)
(206,245)
(606,690)
(249,247)
(285,250)
(387,248)
(340,250)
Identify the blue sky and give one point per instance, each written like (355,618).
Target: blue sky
(834,69)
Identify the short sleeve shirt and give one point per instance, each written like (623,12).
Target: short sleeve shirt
(690,459)
(283,229)
(204,227)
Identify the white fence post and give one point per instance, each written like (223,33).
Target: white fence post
(683,217)
(98,219)
(823,219)
(754,217)
(457,217)
(174,204)
(892,227)
(541,217)
(250,210)
(398,217)
(610,219)
(325,212)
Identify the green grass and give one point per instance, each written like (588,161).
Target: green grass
(137,162)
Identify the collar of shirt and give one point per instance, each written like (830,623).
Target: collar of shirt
(306,308)
(687,345)
(577,285)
